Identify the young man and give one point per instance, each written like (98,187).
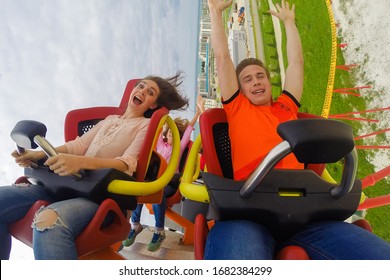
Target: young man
(246,92)
(253,118)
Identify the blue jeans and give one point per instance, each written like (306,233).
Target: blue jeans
(159,209)
(333,240)
(54,242)
(159,213)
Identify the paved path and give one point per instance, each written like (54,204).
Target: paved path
(278,38)
(257,28)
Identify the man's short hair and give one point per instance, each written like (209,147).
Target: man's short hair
(250,61)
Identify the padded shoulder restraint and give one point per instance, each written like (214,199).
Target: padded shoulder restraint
(310,144)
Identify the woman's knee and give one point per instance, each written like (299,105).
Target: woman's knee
(45,218)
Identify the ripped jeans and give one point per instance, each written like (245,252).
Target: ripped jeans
(56,239)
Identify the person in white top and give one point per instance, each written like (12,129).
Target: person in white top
(113,143)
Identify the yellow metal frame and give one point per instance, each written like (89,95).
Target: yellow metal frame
(332,68)
(188,189)
(146,188)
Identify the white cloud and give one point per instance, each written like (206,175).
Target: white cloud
(58,55)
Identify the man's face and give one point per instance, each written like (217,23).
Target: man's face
(255,85)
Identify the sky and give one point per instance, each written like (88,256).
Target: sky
(59,55)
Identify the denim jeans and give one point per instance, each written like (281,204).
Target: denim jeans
(54,242)
(159,213)
(332,240)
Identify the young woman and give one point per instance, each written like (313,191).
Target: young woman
(114,142)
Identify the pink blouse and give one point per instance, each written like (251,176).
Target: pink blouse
(113,137)
(165,150)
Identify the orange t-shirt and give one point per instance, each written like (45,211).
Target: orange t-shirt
(252,131)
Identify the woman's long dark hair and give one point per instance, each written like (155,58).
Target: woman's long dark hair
(170,96)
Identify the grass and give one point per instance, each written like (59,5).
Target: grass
(316,34)
(269,46)
(316,37)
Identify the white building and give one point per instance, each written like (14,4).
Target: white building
(237,45)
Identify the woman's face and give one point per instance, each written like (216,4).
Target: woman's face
(144,96)
(169,137)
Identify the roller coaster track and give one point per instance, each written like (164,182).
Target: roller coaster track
(332,68)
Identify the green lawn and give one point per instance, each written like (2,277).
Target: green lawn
(313,22)
(315,31)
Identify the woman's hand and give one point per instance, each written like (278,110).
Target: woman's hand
(65,164)
(28,158)
(200,104)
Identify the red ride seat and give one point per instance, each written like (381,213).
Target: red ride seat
(176,198)
(22,229)
(97,242)
(188,226)
(216,151)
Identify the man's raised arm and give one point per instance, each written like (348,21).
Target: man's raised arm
(226,73)
(294,72)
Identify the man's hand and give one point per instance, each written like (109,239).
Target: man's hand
(284,13)
(219,5)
